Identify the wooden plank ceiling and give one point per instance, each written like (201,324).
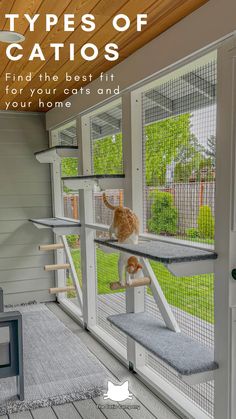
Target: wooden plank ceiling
(162,14)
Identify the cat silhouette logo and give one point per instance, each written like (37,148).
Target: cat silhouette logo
(118,393)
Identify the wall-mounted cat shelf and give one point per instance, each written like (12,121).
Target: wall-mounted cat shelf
(60,226)
(190,360)
(89,182)
(175,257)
(51,155)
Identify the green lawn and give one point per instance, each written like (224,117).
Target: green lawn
(195,295)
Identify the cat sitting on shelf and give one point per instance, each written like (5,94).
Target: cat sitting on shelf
(125,227)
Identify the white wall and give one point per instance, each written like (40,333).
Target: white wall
(25,192)
(211,22)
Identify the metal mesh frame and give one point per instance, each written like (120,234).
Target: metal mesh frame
(106,157)
(179,130)
(65,135)
(202,395)
(179,124)
(106,141)
(103,215)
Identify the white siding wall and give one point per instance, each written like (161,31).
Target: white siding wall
(25,192)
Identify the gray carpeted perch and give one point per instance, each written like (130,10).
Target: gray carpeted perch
(179,351)
(160,251)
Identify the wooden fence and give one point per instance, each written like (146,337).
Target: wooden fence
(188,197)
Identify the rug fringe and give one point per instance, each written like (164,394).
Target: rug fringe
(22,406)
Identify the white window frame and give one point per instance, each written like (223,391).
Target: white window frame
(225,244)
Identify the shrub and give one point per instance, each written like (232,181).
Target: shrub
(192,233)
(206,223)
(72,240)
(164,215)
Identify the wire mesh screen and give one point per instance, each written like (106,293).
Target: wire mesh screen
(201,394)
(109,302)
(192,302)
(65,135)
(179,131)
(102,214)
(107,157)
(106,142)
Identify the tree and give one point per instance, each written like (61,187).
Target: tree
(107,155)
(69,166)
(189,159)
(165,141)
(210,149)
(206,223)
(164,214)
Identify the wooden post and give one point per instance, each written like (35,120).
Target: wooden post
(133,284)
(49,247)
(56,267)
(75,207)
(62,289)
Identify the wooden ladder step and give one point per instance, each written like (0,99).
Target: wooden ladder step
(48,247)
(114,286)
(58,290)
(48,268)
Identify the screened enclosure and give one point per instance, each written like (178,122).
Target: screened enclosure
(106,156)
(169,181)
(65,135)
(179,157)
(179,131)
(179,134)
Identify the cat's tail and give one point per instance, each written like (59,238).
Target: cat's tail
(107,203)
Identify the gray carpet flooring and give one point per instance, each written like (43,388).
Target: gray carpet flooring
(58,367)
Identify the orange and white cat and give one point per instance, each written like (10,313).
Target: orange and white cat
(125,227)
(133,265)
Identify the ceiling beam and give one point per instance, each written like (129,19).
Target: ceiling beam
(186,104)
(96,129)
(110,120)
(162,101)
(201,85)
(68,133)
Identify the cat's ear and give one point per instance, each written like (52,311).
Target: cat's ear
(109,385)
(126,385)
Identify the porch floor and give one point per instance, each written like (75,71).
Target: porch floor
(146,404)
